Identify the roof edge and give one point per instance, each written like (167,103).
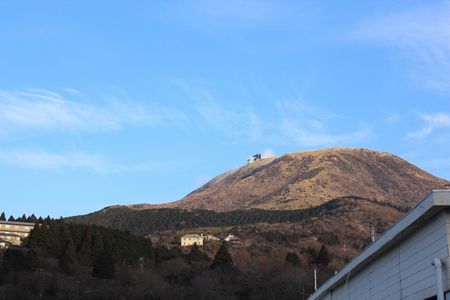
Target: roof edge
(438,199)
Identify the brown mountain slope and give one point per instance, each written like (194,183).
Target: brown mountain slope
(310,178)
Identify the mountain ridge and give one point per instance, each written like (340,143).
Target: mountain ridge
(309,178)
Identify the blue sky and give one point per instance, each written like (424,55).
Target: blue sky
(119,102)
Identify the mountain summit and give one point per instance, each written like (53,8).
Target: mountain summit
(310,178)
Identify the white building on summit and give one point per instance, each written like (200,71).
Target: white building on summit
(254,158)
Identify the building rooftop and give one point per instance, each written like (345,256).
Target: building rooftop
(192,235)
(17,223)
(435,202)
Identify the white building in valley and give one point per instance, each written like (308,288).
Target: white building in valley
(409,261)
(191,239)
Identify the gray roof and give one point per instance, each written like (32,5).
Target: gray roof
(17,223)
(433,203)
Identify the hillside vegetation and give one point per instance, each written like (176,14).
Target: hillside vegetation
(148,221)
(310,178)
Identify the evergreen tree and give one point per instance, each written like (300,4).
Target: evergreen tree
(23,218)
(196,255)
(85,246)
(13,260)
(323,258)
(67,241)
(11,219)
(292,258)
(37,237)
(31,260)
(2,217)
(67,264)
(32,219)
(163,254)
(104,265)
(69,249)
(222,258)
(53,240)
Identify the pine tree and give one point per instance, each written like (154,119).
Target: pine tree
(85,246)
(222,258)
(67,264)
(11,219)
(37,237)
(323,258)
(67,241)
(69,249)
(32,219)
(2,217)
(104,265)
(292,258)
(196,255)
(23,218)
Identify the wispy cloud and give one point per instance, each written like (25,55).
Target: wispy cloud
(422,34)
(37,109)
(306,126)
(42,160)
(295,122)
(233,123)
(433,122)
(305,137)
(38,159)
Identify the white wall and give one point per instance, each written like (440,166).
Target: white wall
(405,271)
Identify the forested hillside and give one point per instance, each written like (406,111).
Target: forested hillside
(71,261)
(148,221)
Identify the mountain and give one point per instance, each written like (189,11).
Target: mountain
(310,178)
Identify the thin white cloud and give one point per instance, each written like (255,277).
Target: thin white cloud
(433,122)
(37,110)
(231,122)
(294,122)
(305,125)
(423,36)
(41,160)
(305,137)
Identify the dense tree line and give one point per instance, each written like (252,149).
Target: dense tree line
(153,220)
(24,218)
(148,221)
(86,242)
(76,261)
